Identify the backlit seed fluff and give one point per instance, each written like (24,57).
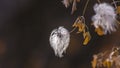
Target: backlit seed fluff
(59,40)
(105,17)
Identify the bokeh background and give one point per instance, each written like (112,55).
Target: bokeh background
(25,27)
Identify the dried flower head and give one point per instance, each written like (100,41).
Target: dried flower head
(105,17)
(59,40)
(107,59)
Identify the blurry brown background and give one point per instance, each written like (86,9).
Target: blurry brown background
(25,26)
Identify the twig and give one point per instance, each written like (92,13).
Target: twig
(73,29)
(85,7)
(114,4)
(84,13)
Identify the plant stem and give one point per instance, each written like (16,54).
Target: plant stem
(115,4)
(85,7)
(84,22)
(73,29)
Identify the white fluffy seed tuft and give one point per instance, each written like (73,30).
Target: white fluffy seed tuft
(105,17)
(59,40)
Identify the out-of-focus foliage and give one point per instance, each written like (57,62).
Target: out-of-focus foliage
(107,59)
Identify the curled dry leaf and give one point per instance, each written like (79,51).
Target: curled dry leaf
(99,31)
(107,63)
(94,62)
(80,25)
(87,38)
(118,10)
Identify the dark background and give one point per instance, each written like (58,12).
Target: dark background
(25,26)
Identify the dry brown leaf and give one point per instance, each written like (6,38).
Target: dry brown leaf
(99,31)
(86,38)
(74,8)
(107,63)
(80,26)
(118,10)
(94,62)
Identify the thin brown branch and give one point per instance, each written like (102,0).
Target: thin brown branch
(73,29)
(84,10)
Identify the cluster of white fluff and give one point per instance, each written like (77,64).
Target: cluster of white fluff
(105,17)
(59,40)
